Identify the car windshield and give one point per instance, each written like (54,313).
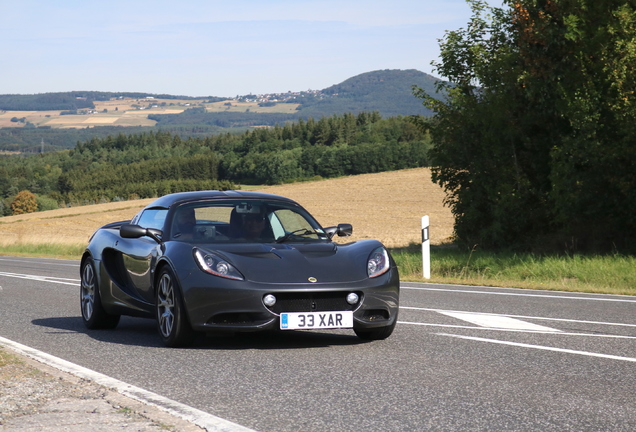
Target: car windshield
(243,221)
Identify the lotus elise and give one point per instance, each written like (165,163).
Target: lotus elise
(211,261)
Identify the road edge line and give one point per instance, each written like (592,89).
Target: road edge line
(200,418)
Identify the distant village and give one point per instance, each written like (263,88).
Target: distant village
(149,102)
(288,97)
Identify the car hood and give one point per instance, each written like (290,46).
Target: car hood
(301,263)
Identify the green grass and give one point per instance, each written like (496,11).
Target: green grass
(46,250)
(609,274)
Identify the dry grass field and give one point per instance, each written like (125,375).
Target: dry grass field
(35,117)
(384,206)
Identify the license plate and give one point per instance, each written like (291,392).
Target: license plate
(316,320)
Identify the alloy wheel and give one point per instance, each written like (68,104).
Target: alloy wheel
(165,305)
(88,291)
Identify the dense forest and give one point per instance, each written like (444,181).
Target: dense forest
(199,117)
(148,164)
(44,139)
(534,144)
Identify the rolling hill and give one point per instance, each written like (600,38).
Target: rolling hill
(54,121)
(390,92)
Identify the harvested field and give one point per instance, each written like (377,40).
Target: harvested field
(127,112)
(384,206)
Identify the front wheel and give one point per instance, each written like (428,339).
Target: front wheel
(93,313)
(172,320)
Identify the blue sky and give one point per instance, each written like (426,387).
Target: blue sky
(214,48)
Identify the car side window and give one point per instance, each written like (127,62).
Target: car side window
(153,218)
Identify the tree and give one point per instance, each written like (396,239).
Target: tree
(535,138)
(24,202)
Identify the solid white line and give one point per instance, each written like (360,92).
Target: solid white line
(518,331)
(541,347)
(521,316)
(193,415)
(32,261)
(57,280)
(568,297)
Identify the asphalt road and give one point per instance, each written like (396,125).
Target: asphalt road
(461,359)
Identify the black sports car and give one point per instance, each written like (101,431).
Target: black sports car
(237,261)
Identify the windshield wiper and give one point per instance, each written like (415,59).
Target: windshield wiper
(299,233)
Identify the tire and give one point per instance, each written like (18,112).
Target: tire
(378,333)
(93,313)
(172,320)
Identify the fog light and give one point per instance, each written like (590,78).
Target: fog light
(269,300)
(352,298)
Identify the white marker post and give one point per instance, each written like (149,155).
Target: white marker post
(426,248)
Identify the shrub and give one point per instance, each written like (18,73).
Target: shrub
(46,203)
(24,202)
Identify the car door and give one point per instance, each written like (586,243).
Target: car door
(139,255)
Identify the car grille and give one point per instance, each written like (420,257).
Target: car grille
(312,302)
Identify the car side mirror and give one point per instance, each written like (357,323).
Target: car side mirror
(342,230)
(135,231)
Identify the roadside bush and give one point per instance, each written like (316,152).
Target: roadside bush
(24,202)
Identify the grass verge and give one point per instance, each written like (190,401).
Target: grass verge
(607,274)
(44,250)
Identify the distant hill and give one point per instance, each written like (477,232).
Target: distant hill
(53,121)
(386,91)
(390,92)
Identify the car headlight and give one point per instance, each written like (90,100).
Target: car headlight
(212,263)
(378,262)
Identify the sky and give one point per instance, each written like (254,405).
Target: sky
(215,47)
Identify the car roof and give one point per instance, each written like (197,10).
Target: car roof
(167,201)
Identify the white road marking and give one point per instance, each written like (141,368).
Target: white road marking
(57,280)
(613,298)
(31,261)
(497,321)
(541,347)
(595,335)
(524,317)
(193,415)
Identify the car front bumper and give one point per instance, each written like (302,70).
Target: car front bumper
(216,304)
